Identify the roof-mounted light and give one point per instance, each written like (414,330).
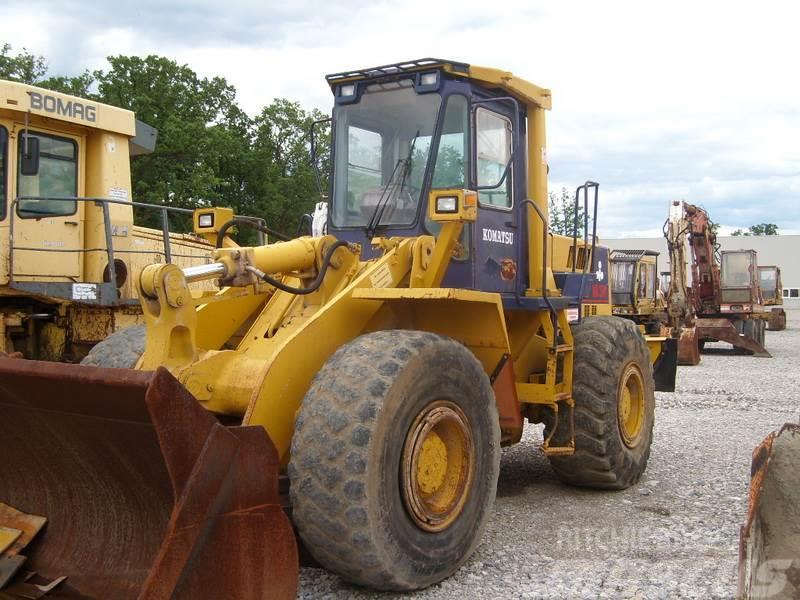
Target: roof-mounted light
(428,82)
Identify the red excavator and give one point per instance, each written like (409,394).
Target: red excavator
(724,302)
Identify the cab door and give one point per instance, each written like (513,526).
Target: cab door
(496,237)
(48,231)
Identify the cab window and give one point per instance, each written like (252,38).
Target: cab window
(3,171)
(364,159)
(57,178)
(449,168)
(493,143)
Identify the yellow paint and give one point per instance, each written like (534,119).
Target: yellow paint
(631,405)
(21,97)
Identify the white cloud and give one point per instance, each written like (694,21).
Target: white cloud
(694,100)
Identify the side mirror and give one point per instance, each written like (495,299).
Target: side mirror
(29,164)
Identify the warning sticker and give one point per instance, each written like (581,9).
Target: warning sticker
(118,193)
(84,291)
(382,277)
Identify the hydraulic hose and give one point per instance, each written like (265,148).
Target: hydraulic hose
(252,225)
(314,286)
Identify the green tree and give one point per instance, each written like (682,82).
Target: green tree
(284,184)
(760,229)
(191,115)
(22,66)
(79,85)
(563,214)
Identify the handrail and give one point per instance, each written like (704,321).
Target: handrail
(107,229)
(588,260)
(545,297)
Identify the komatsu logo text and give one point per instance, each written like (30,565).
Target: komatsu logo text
(65,108)
(498,237)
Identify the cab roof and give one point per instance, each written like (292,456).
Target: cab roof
(523,90)
(26,98)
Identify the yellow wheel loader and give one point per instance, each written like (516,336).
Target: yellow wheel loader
(363,381)
(769,278)
(70,252)
(635,291)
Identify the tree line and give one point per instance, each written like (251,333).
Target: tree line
(209,151)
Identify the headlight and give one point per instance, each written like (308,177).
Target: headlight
(206,220)
(348,90)
(429,79)
(446,204)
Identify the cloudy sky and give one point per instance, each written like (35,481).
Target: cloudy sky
(656,101)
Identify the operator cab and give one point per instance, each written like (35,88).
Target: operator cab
(769,278)
(403,130)
(634,289)
(739,280)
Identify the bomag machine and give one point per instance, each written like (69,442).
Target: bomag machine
(70,252)
(769,278)
(725,296)
(635,289)
(381,368)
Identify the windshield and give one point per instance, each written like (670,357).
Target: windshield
(621,276)
(735,270)
(382,148)
(768,280)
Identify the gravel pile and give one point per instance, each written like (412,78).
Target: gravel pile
(675,534)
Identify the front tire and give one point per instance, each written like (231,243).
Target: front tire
(614,397)
(395,459)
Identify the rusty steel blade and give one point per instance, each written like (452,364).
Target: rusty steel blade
(145,493)
(724,331)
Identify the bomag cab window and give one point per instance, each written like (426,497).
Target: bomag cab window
(382,147)
(57,178)
(493,143)
(3,171)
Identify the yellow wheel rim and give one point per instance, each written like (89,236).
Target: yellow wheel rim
(631,405)
(438,464)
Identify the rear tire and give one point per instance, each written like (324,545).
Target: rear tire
(120,350)
(350,458)
(612,435)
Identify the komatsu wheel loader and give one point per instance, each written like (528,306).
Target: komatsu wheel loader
(375,371)
(70,252)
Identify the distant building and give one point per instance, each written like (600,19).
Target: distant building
(780,250)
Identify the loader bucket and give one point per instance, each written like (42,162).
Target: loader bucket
(146,494)
(769,541)
(724,331)
(688,349)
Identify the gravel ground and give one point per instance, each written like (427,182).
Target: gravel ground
(675,534)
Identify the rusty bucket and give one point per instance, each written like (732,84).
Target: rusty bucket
(146,494)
